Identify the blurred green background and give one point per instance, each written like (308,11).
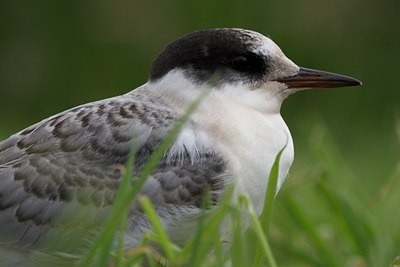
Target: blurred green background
(55,55)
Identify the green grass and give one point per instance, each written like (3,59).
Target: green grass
(209,246)
(323,218)
(327,217)
(128,192)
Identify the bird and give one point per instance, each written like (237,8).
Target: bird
(76,158)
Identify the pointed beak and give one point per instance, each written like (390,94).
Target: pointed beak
(309,78)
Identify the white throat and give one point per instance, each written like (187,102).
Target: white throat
(245,125)
(179,91)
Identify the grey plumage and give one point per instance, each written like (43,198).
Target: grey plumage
(76,158)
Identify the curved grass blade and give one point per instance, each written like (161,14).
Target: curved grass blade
(261,235)
(265,217)
(126,195)
(151,213)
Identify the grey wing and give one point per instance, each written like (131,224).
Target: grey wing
(177,189)
(73,162)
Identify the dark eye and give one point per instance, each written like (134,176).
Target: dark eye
(240,63)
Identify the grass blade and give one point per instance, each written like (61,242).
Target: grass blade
(204,240)
(157,225)
(302,220)
(261,235)
(395,262)
(105,240)
(126,195)
(265,217)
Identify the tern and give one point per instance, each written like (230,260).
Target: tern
(78,156)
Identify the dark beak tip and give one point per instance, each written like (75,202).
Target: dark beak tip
(310,78)
(356,83)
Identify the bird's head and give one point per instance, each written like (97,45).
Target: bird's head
(242,59)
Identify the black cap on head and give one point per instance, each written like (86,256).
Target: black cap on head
(201,53)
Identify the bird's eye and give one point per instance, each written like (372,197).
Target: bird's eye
(240,63)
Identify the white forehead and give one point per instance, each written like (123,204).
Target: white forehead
(260,44)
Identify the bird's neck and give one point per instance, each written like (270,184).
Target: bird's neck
(180,92)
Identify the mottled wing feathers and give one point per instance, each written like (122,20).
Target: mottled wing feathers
(76,158)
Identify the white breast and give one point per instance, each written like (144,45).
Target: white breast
(243,123)
(250,140)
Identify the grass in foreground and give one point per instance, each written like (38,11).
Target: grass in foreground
(208,247)
(323,218)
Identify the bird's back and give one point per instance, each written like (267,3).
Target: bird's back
(71,164)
